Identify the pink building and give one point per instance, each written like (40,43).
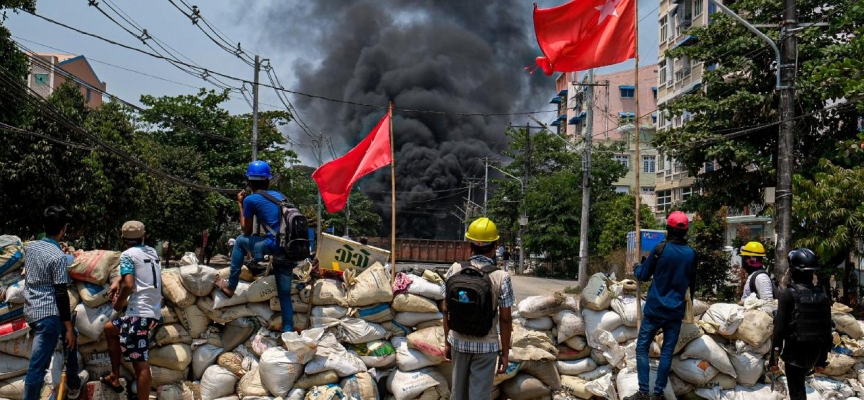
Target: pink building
(615,101)
(47,74)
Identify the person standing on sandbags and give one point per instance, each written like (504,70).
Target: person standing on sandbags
(802,328)
(673,272)
(139,290)
(46,306)
(269,207)
(478,297)
(758,280)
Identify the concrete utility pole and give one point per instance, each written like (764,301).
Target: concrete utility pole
(787,70)
(586,182)
(319,143)
(486,187)
(255,109)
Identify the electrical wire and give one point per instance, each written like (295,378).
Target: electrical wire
(10,128)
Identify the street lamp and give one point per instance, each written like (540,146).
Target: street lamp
(523,220)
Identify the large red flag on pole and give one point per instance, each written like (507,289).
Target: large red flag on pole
(584,34)
(336,178)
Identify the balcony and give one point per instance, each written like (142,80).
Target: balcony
(556,100)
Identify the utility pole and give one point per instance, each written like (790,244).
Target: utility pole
(319,143)
(523,252)
(486,187)
(787,69)
(255,110)
(347,214)
(586,182)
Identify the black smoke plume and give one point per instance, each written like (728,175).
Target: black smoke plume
(455,56)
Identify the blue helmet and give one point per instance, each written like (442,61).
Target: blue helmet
(258,171)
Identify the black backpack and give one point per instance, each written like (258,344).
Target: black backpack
(774,289)
(811,317)
(293,235)
(470,302)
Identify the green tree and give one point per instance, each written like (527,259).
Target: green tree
(707,237)
(617,217)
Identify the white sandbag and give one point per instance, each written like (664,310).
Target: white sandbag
(375,354)
(696,372)
(91,294)
(510,373)
(198,279)
(220,300)
(537,324)
(236,332)
(756,327)
(547,372)
(262,289)
(541,306)
(328,292)
(20,347)
(705,348)
(223,315)
(12,366)
(679,386)
(847,324)
(412,303)
(217,382)
(761,392)
(625,333)
(723,381)
(262,311)
(601,386)
(429,290)
(279,372)
(600,320)
(251,385)
(15,291)
(408,359)
(575,386)
(741,347)
(98,364)
(174,356)
(378,313)
(688,333)
(525,387)
(360,386)
(411,319)
(352,330)
(748,367)
(569,323)
(627,384)
(90,322)
(430,341)
(596,295)
(335,312)
(596,373)
(371,286)
(699,307)
(203,357)
(725,318)
(611,350)
(189,258)
(410,385)
(173,289)
(576,343)
(576,367)
(830,388)
(625,306)
(164,376)
(176,391)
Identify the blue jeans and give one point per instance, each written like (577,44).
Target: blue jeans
(47,333)
(649,328)
(283,270)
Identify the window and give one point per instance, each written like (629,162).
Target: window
(654,89)
(686,193)
(664,29)
(622,189)
(664,200)
(623,160)
(647,190)
(697,7)
(42,79)
(88,95)
(661,120)
(649,164)
(661,161)
(662,73)
(628,93)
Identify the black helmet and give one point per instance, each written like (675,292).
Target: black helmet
(803,259)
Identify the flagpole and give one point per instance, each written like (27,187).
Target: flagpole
(392,199)
(638,165)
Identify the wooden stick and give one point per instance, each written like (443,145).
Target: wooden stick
(393,200)
(638,166)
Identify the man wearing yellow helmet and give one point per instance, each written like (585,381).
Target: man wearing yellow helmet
(478,297)
(758,280)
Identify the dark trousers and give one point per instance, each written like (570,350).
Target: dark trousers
(795,380)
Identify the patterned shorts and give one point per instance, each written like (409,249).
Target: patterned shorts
(134,335)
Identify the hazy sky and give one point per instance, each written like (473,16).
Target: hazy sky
(241,21)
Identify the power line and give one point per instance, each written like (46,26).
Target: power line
(208,73)
(10,128)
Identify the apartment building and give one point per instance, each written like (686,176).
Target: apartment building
(47,74)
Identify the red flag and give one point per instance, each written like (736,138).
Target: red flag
(584,34)
(336,178)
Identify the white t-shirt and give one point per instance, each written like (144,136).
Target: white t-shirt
(146,298)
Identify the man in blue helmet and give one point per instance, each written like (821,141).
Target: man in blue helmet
(255,205)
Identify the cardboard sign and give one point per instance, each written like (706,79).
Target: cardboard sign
(341,254)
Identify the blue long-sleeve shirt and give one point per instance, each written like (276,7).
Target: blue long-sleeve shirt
(673,274)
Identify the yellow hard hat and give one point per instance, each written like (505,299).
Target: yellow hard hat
(482,231)
(753,249)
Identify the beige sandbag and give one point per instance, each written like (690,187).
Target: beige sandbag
(299,305)
(20,347)
(528,345)
(263,289)
(541,306)
(198,279)
(170,334)
(756,328)
(223,315)
(411,319)
(245,274)
(569,324)
(724,318)
(596,294)
(193,319)
(748,367)
(92,295)
(250,385)
(627,384)
(696,372)
(575,386)
(164,376)
(173,289)
(12,366)
(430,324)
(565,353)
(838,364)
(688,333)
(329,312)
(410,385)
(307,382)
(221,300)
(169,316)
(525,387)
(705,348)
(408,359)
(360,386)
(847,324)
(429,341)
(175,356)
(176,391)
(212,336)
(371,286)
(203,357)
(236,332)
(724,381)
(217,382)
(11,253)
(279,371)
(328,292)
(576,343)
(679,387)
(232,363)
(94,266)
(377,313)
(547,372)
(301,322)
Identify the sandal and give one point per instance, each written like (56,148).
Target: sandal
(117,389)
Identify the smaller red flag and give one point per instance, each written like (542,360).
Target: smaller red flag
(336,178)
(584,34)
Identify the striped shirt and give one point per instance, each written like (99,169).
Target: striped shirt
(505,299)
(44,267)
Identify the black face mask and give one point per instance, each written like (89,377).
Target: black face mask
(802,277)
